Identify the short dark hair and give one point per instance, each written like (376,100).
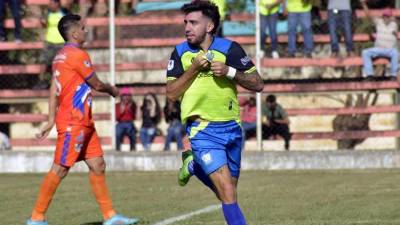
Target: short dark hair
(270,99)
(56,1)
(66,23)
(207,9)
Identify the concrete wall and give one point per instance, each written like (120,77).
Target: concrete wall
(22,162)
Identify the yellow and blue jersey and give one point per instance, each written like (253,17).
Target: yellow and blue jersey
(210,97)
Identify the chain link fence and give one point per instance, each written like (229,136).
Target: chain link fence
(143,49)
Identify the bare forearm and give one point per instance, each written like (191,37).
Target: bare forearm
(176,88)
(251,81)
(52,103)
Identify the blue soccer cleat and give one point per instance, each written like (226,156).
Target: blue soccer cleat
(121,220)
(33,222)
(184,174)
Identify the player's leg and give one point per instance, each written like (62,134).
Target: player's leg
(64,158)
(93,156)
(226,180)
(225,187)
(47,190)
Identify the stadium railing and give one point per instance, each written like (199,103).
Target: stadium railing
(291,88)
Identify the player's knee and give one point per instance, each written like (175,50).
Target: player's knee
(98,167)
(60,171)
(227,192)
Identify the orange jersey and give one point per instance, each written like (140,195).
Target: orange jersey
(71,68)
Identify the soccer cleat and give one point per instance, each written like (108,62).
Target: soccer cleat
(33,222)
(184,174)
(120,220)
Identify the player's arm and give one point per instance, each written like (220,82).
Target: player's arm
(251,81)
(98,85)
(85,69)
(53,104)
(239,67)
(182,80)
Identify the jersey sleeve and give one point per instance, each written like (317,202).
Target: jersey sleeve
(84,66)
(238,59)
(175,68)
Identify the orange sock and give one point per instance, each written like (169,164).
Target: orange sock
(46,193)
(99,188)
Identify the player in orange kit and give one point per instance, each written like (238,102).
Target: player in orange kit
(70,109)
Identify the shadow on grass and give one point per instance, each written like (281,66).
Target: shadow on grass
(92,223)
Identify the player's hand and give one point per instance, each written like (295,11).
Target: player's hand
(44,132)
(200,63)
(114,91)
(219,69)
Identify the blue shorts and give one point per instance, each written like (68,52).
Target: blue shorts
(215,144)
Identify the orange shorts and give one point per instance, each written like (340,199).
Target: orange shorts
(76,143)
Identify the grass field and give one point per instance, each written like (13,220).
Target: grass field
(267,197)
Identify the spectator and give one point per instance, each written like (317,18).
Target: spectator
(248,116)
(339,16)
(133,6)
(268,20)
(66,6)
(151,114)
(221,4)
(53,42)
(125,112)
(172,113)
(299,11)
(15,6)
(385,43)
(4,142)
(275,121)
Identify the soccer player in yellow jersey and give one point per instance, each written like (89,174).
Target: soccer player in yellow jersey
(203,73)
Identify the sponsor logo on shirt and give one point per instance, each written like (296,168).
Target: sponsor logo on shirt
(170,64)
(87,64)
(245,60)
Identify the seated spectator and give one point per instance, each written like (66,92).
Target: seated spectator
(4,142)
(275,121)
(299,12)
(172,113)
(151,115)
(269,10)
(385,43)
(15,6)
(248,116)
(339,18)
(125,112)
(53,42)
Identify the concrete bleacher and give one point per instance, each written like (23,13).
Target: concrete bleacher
(160,65)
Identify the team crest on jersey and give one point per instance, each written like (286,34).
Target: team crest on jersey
(245,60)
(171,64)
(87,64)
(206,158)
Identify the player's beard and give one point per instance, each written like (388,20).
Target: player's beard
(197,40)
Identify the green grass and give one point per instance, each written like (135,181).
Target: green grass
(345,197)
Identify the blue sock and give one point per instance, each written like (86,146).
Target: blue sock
(233,214)
(195,169)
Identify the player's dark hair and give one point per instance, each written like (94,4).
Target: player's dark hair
(56,1)
(270,99)
(207,9)
(66,23)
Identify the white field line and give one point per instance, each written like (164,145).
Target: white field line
(188,215)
